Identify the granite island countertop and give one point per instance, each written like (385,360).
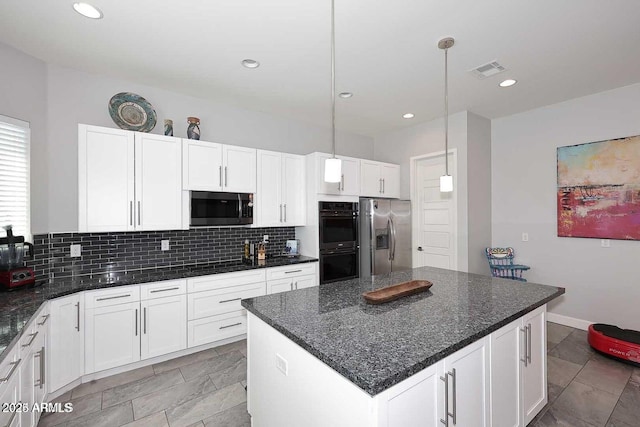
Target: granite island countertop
(378,346)
(18,306)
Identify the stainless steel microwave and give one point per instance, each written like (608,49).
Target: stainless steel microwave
(217,208)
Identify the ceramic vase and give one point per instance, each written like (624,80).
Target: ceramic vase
(168,127)
(193,131)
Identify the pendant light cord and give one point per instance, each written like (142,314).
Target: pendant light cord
(333,81)
(446,112)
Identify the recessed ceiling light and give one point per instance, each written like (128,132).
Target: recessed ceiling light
(345,95)
(408,116)
(85,9)
(250,63)
(508,82)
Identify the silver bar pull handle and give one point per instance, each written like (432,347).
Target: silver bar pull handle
(280,213)
(445,421)
(285,212)
(43,367)
(229,326)
(131,212)
(13,416)
(296,285)
(144,318)
(139,209)
(342,180)
(380,185)
(292,271)
(524,359)
(453,377)
(78,314)
(383,189)
(220,173)
(44,319)
(136,322)
(529,343)
(163,290)
(226,182)
(33,337)
(291,286)
(13,369)
(115,297)
(229,300)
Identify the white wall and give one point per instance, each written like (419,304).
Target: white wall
(78,97)
(23,96)
(601,283)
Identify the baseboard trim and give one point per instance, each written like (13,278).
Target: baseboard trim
(568,321)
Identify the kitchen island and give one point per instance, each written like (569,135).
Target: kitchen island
(472,344)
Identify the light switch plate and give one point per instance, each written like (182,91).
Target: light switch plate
(525,237)
(282,365)
(164,245)
(76,250)
(605,243)
(265,237)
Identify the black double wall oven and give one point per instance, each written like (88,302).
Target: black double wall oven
(338,226)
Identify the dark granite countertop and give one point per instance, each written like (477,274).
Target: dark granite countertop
(18,306)
(377,346)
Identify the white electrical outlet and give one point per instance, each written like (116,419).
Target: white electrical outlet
(525,237)
(76,250)
(605,243)
(265,238)
(164,245)
(282,364)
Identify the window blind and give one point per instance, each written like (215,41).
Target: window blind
(14,175)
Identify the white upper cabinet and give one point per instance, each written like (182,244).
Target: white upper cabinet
(128,180)
(208,166)
(281,191)
(349,184)
(201,165)
(379,179)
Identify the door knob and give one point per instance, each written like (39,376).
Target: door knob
(420,248)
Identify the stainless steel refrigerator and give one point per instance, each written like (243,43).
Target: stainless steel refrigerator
(385,236)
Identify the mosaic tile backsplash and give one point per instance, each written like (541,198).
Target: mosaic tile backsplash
(103,252)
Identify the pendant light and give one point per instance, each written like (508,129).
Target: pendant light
(446,180)
(333,166)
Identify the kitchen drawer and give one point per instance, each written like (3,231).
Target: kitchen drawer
(291,271)
(112,296)
(215,328)
(43,317)
(218,301)
(166,288)
(9,366)
(225,280)
(29,335)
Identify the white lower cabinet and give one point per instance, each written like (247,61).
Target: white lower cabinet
(164,326)
(10,394)
(413,402)
(66,341)
(215,328)
(518,370)
(290,278)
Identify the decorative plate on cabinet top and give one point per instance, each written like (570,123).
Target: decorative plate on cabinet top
(132,112)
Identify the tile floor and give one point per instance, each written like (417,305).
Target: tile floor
(206,389)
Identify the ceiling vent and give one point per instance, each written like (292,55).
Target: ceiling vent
(487,70)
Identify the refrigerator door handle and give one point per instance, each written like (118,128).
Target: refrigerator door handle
(393,239)
(389,233)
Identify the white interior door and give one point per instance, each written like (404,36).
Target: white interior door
(434,215)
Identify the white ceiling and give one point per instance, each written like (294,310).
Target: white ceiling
(386,52)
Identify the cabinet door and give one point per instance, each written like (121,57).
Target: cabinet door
(294,194)
(10,393)
(325,187)
(105,179)
(413,402)
(370,179)
(350,176)
(201,165)
(112,336)
(158,182)
(390,180)
(534,379)
(506,396)
(39,372)
(281,285)
(304,282)
(467,373)
(164,326)
(65,341)
(239,169)
(269,189)
(27,388)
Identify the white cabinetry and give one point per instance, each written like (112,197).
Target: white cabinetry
(66,341)
(33,366)
(131,323)
(128,180)
(518,370)
(281,194)
(214,309)
(349,184)
(289,278)
(209,166)
(10,387)
(379,179)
